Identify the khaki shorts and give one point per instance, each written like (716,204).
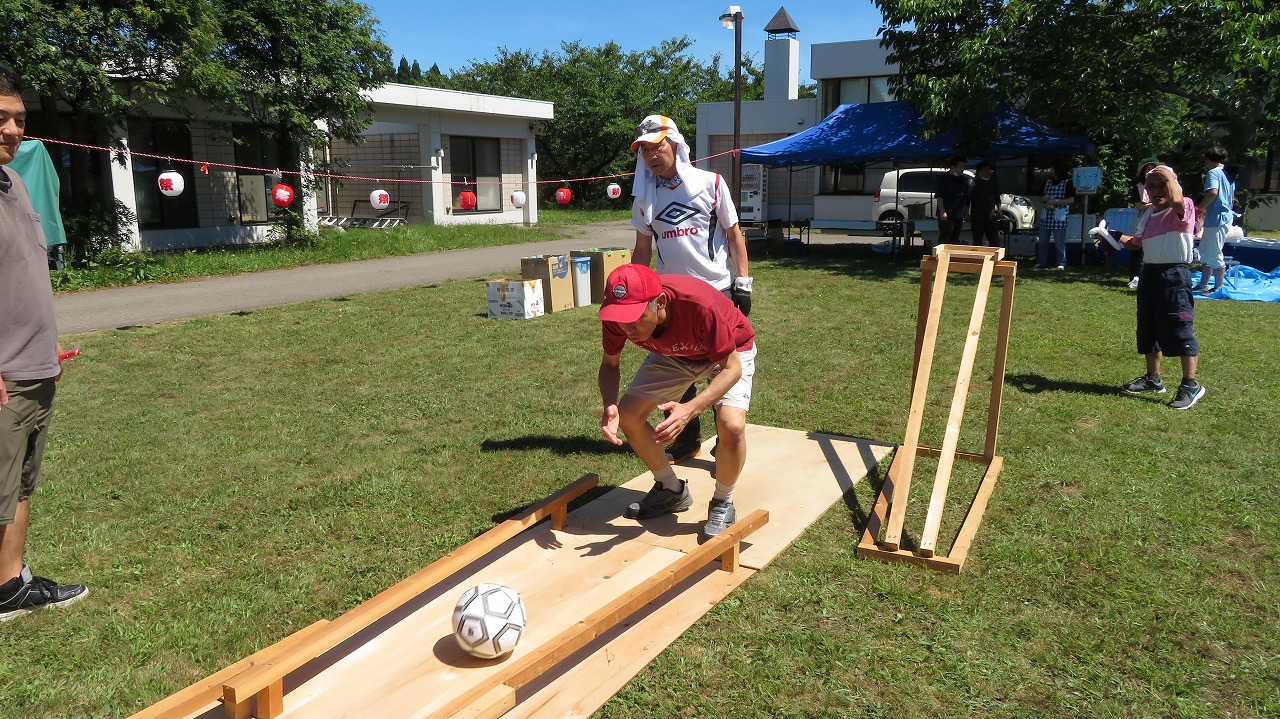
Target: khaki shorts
(24,425)
(664,379)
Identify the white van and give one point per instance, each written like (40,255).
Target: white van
(901,189)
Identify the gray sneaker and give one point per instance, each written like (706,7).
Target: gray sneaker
(1188,395)
(660,501)
(720,514)
(1145,383)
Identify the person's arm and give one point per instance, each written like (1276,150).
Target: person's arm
(4,394)
(740,291)
(643,253)
(608,379)
(1210,195)
(674,424)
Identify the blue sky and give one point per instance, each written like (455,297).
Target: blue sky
(452,33)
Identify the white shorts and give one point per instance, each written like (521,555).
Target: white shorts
(664,379)
(1211,247)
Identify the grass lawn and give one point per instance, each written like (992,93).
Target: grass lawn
(224,481)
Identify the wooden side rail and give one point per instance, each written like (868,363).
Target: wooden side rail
(542,658)
(265,679)
(208,690)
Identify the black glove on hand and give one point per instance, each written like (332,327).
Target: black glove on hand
(741,294)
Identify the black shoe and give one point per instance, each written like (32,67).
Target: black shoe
(1145,383)
(25,592)
(660,501)
(1188,395)
(680,450)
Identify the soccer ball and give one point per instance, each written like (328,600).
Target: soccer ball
(488,620)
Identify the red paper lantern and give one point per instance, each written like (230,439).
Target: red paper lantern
(563,195)
(281,195)
(467,199)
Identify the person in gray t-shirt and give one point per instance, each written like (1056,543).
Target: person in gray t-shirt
(30,365)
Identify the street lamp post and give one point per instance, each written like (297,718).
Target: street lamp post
(732,18)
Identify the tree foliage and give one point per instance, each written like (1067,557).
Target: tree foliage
(1140,77)
(592,131)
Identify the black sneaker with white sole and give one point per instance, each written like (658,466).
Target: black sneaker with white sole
(1188,395)
(660,501)
(1145,383)
(26,592)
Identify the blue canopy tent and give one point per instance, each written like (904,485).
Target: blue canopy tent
(893,132)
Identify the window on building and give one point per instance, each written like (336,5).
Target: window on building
(255,150)
(475,164)
(1265,177)
(163,138)
(841,179)
(853,90)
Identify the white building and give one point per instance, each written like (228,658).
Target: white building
(425,147)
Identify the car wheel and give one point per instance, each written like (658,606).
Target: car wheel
(888,220)
(1008,224)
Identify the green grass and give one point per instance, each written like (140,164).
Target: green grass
(224,481)
(333,246)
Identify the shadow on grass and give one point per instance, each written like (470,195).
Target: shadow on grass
(1035,384)
(580,444)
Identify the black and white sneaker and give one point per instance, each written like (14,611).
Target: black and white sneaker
(27,592)
(660,501)
(1188,395)
(1145,383)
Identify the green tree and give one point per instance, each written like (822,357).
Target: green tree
(98,62)
(403,73)
(1138,76)
(592,131)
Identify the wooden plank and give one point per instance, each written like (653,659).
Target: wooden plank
(270,701)
(951,436)
(206,692)
(523,670)
(819,469)
(492,704)
(919,392)
(973,518)
(246,685)
(998,369)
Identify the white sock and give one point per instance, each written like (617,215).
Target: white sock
(723,492)
(667,478)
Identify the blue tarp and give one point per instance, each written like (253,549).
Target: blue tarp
(892,131)
(1244,283)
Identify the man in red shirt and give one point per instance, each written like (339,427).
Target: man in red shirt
(692,332)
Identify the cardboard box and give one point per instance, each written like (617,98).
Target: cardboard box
(557,285)
(603,261)
(515,299)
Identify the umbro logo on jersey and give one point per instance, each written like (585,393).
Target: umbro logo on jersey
(675,213)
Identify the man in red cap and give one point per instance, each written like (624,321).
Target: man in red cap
(692,332)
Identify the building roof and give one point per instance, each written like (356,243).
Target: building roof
(781,23)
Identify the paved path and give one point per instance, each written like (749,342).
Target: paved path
(151,303)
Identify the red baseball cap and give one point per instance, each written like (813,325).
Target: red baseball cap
(628,291)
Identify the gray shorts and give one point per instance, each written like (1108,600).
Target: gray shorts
(24,425)
(664,379)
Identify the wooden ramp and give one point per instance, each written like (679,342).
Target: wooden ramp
(604,596)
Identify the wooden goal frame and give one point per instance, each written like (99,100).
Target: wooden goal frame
(986,262)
